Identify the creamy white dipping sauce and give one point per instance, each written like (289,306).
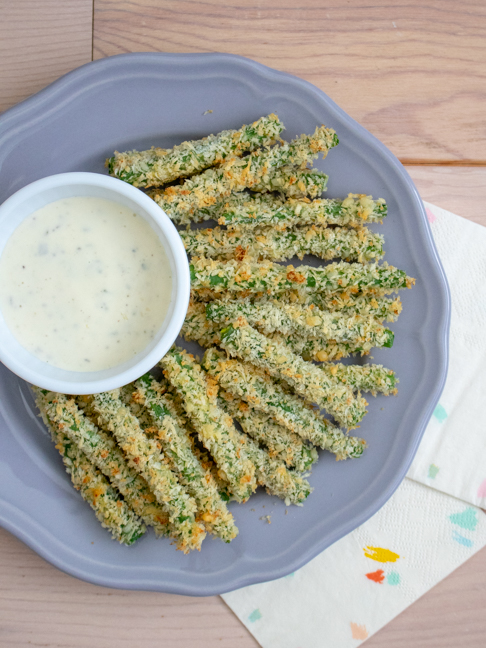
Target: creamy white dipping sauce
(85,283)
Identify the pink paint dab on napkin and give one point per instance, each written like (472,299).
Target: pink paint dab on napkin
(482,489)
(431,217)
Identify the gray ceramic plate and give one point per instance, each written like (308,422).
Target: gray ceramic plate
(140,100)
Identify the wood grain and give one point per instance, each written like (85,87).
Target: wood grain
(413,73)
(41,606)
(460,190)
(39,42)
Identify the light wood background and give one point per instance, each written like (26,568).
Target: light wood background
(414,74)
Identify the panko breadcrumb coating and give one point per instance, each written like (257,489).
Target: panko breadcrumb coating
(198,327)
(101,449)
(274,475)
(176,445)
(281,244)
(211,186)
(322,349)
(306,321)
(280,442)
(242,209)
(215,428)
(159,166)
(112,512)
(370,304)
(316,386)
(267,277)
(294,182)
(372,378)
(144,456)
(254,386)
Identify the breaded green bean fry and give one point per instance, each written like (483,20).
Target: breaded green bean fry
(144,456)
(215,428)
(294,182)
(159,166)
(305,321)
(101,449)
(206,332)
(112,512)
(249,383)
(365,304)
(272,278)
(369,377)
(197,327)
(175,405)
(281,443)
(270,243)
(307,379)
(270,472)
(274,475)
(246,210)
(379,307)
(320,349)
(176,445)
(214,185)
(208,463)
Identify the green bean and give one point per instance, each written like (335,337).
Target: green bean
(304,321)
(271,278)
(208,463)
(281,443)
(197,326)
(159,166)
(369,377)
(246,210)
(365,304)
(175,405)
(112,512)
(293,182)
(274,475)
(306,378)
(144,456)
(206,332)
(277,245)
(176,445)
(215,429)
(320,349)
(249,383)
(213,185)
(101,449)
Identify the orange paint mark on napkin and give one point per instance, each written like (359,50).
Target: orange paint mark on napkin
(380,555)
(358,631)
(377,576)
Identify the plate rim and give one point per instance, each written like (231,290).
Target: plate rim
(36,104)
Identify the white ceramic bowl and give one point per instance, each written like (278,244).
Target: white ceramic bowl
(65,185)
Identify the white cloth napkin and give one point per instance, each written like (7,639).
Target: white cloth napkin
(431,525)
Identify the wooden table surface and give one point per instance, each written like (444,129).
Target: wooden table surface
(414,74)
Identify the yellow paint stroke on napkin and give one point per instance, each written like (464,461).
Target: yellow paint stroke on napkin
(358,631)
(380,555)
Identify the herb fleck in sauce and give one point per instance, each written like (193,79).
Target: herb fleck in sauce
(85,284)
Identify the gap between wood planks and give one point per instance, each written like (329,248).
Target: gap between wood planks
(443,163)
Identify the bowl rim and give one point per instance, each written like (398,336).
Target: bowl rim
(181,285)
